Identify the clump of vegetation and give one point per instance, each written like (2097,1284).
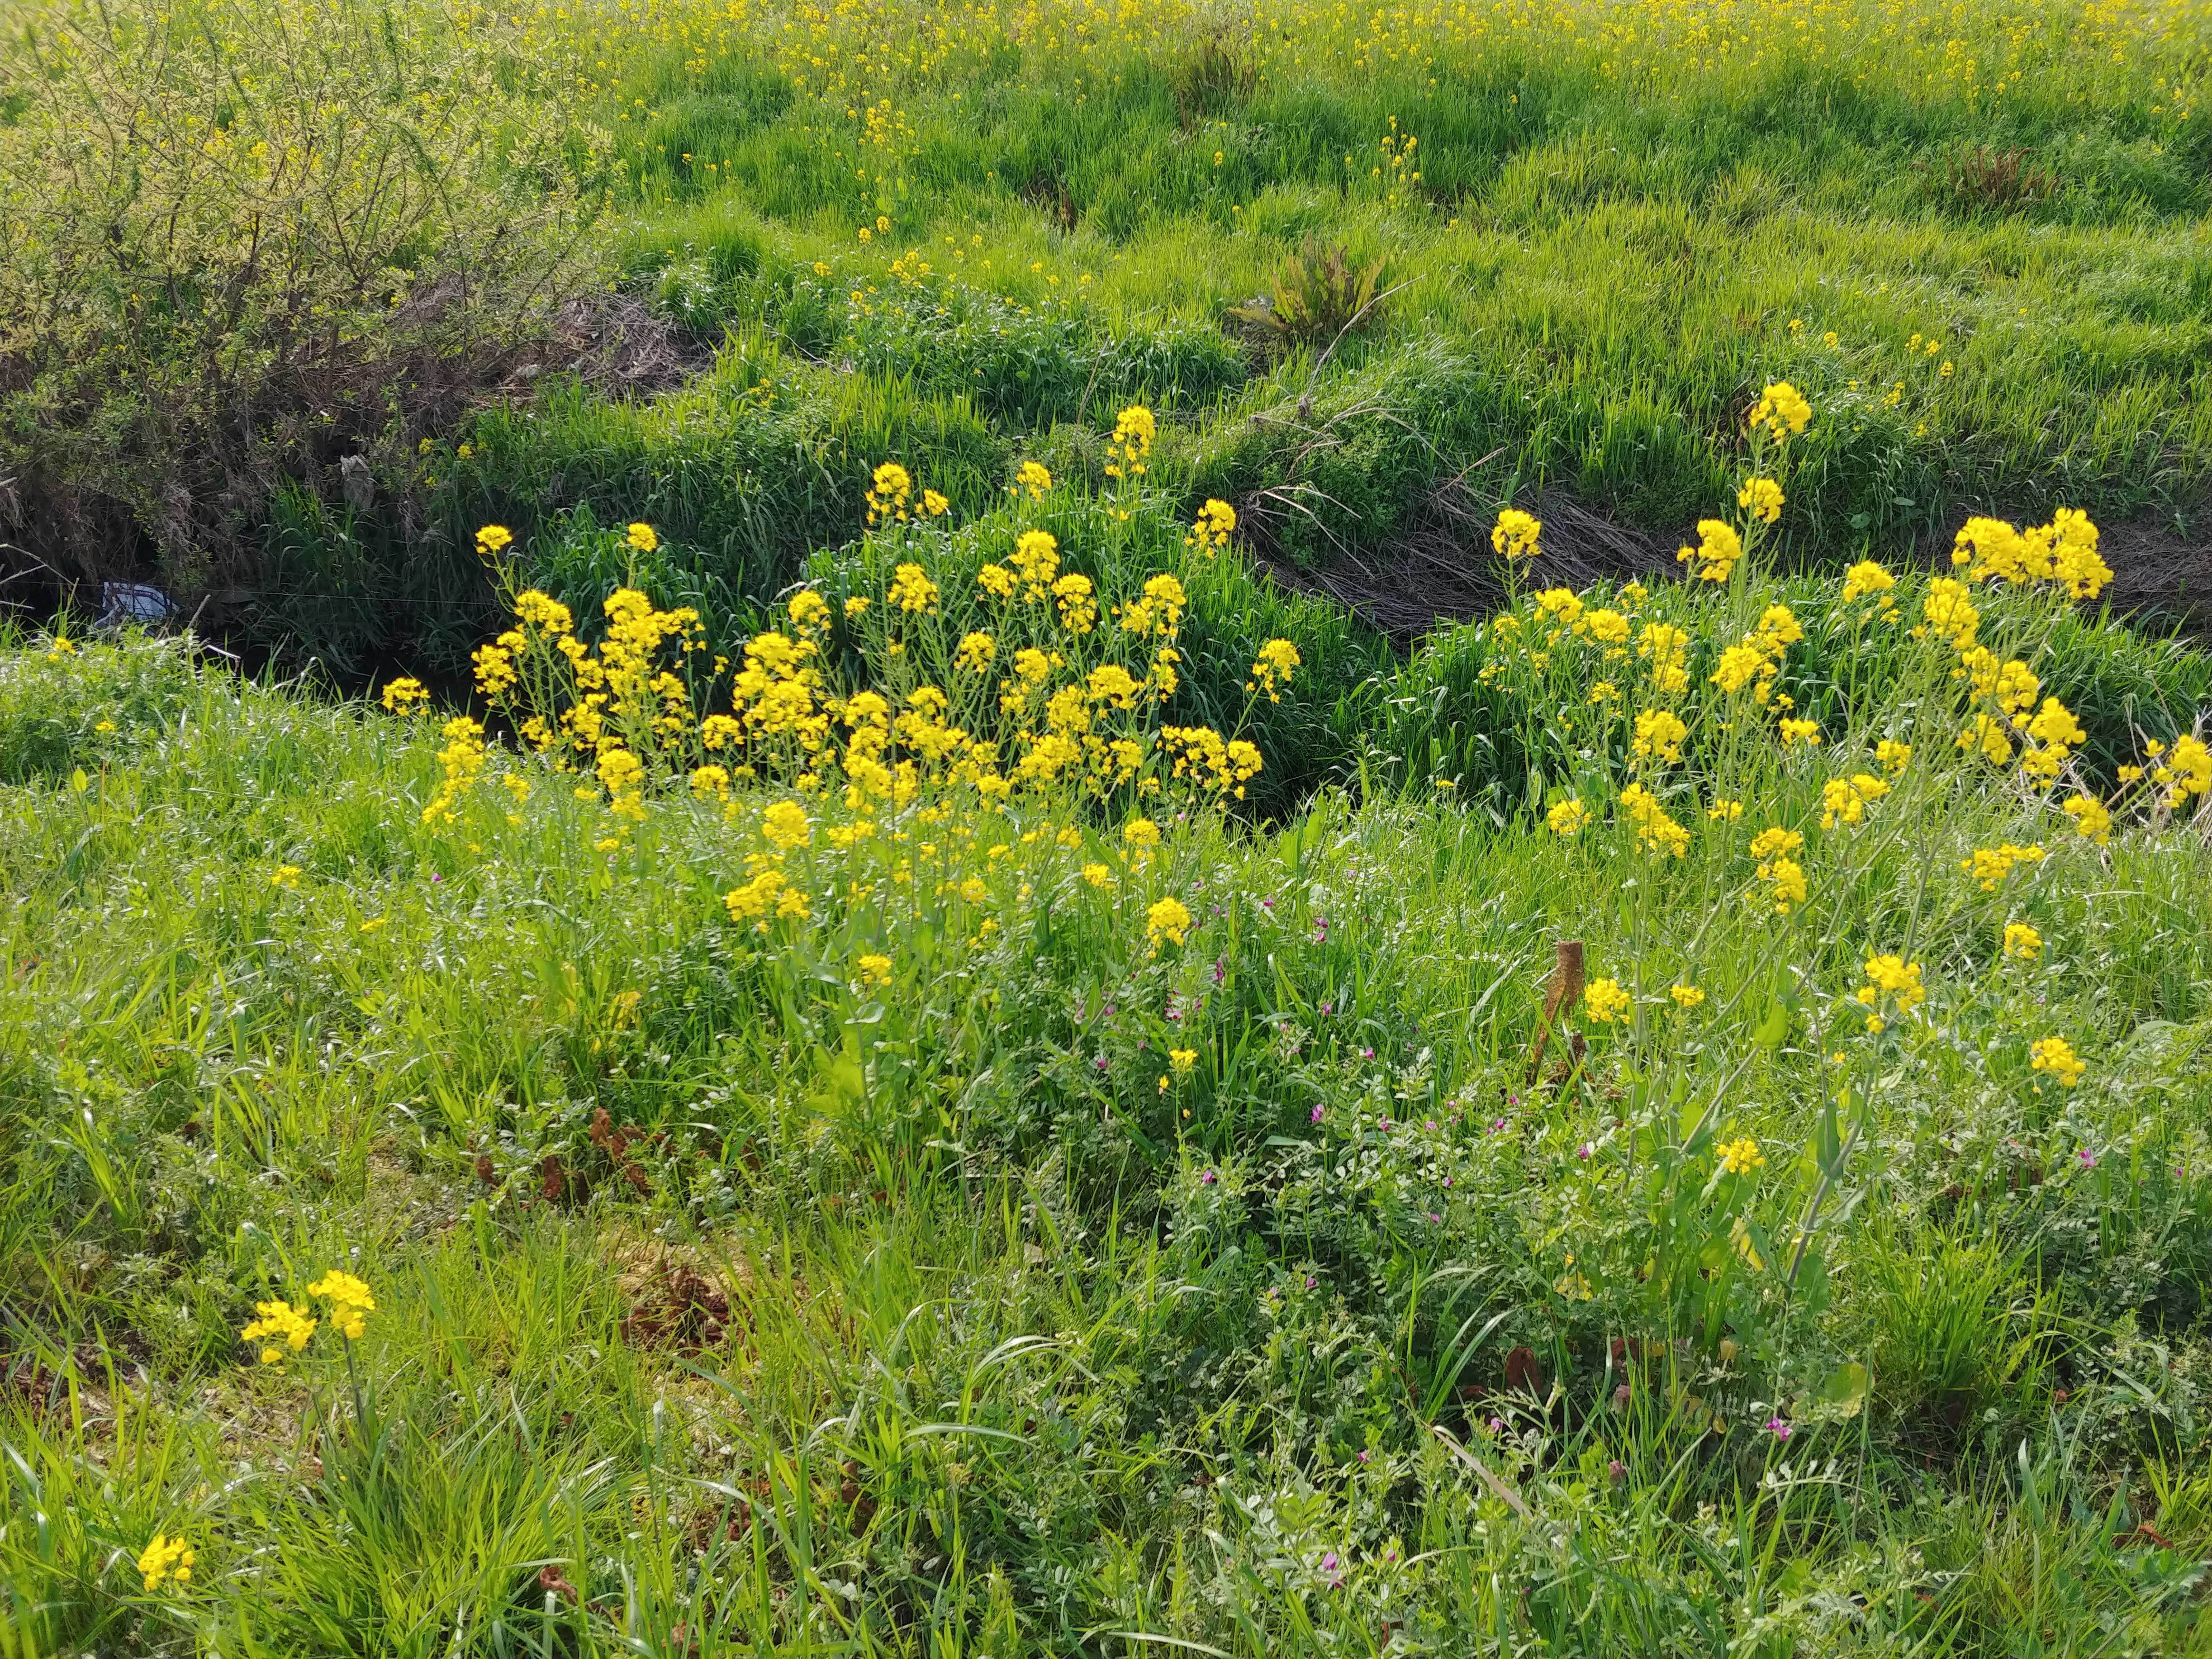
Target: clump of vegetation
(866,1134)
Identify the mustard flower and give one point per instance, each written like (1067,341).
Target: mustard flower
(1686,996)
(1182,1060)
(1607,1002)
(1277,661)
(784,825)
(1659,735)
(1761,498)
(1567,817)
(1866,577)
(1782,410)
(1209,532)
(911,590)
(404,696)
(2021,942)
(2091,816)
(1796,731)
(1166,922)
(165,1559)
(492,538)
(641,539)
(349,1299)
(1098,875)
(1989,865)
(1741,1156)
(2056,1056)
(1892,756)
(1514,536)
(281,1328)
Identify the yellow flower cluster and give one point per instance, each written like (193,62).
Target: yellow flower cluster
(1567,817)
(2062,553)
(1659,735)
(1989,865)
(350,1302)
(1607,1002)
(1656,832)
(1210,531)
(1772,850)
(1514,536)
(2021,942)
(404,696)
(166,1559)
(1741,1156)
(2055,1056)
(1781,412)
(279,1329)
(1890,980)
(1131,446)
(1866,577)
(1845,800)
(1761,498)
(1717,552)
(1166,922)
(2187,772)
(1277,661)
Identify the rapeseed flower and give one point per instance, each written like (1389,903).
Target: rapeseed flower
(1794,732)
(1166,922)
(280,1327)
(349,1299)
(1761,498)
(1686,996)
(1032,479)
(1277,661)
(404,696)
(1991,865)
(1893,757)
(1741,1156)
(165,1559)
(1781,411)
(2186,772)
(492,539)
(1718,550)
(1890,979)
(641,539)
(1845,800)
(1656,832)
(1209,532)
(911,590)
(1866,577)
(1566,818)
(889,491)
(2055,1056)
(1514,536)
(2091,816)
(1606,1002)
(1659,735)
(2021,942)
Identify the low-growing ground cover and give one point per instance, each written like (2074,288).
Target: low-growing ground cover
(884,1135)
(325,289)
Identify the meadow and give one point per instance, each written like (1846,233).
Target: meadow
(815,993)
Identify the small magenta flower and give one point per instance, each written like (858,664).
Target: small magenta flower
(1778,1428)
(1317,1114)
(1311,1281)
(1498,1128)
(1385,1126)
(1367,1053)
(1584,1150)
(1430,1125)
(2088,1158)
(1365,1455)
(1208,1179)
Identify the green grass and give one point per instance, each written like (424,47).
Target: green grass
(765,1305)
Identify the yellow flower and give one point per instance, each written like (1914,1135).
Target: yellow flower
(166,1558)
(855,608)
(1845,800)
(2056,1056)
(784,825)
(1724,811)
(933,502)
(1686,996)
(1866,577)
(1031,479)
(2186,772)
(975,652)
(1134,432)
(351,1302)
(1277,660)
(1655,831)
(911,590)
(1892,756)
(1761,498)
(2091,816)
(1741,1156)
(1566,818)
(1141,833)
(1209,532)
(1077,603)
(641,539)
(1182,1060)
(875,969)
(1991,865)
(1515,534)
(2021,942)
(1787,877)
(1606,1002)
(1949,615)
(1893,979)
(1782,410)
(287,875)
(1166,922)
(1716,553)
(1659,735)
(1098,875)
(280,1327)
(404,696)
(1796,731)
(492,538)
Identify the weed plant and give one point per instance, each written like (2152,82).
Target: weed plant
(855,1138)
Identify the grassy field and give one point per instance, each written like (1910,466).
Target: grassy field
(823,1002)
